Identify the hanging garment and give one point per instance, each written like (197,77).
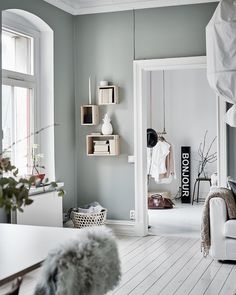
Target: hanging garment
(170,168)
(221,55)
(157,161)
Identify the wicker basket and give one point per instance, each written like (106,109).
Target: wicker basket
(88,219)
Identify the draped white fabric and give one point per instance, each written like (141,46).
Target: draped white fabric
(221,54)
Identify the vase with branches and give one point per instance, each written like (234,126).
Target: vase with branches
(206,155)
(36,163)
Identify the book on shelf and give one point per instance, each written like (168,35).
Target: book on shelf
(112,145)
(100,142)
(101,153)
(106,95)
(101,148)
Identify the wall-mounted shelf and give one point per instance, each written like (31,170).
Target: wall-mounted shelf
(103,145)
(107,95)
(89,115)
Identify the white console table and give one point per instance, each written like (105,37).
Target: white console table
(46,210)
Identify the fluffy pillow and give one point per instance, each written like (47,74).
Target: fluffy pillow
(232,185)
(88,265)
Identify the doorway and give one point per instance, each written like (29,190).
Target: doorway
(191,68)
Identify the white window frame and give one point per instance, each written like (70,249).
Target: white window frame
(16,79)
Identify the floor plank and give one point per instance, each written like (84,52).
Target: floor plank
(193,277)
(229,286)
(148,264)
(150,284)
(219,280)
(182,275)
(161,282)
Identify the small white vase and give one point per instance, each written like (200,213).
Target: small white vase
(107,128)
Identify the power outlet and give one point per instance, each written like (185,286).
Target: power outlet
(132,215)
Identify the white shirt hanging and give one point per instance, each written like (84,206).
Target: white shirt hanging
(158,159)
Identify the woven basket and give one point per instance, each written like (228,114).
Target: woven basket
(88,219)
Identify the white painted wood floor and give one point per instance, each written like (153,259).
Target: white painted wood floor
(184,220)
(164,265)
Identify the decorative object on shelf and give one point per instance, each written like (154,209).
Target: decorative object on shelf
(103,83)
(103,145)
(107,128)
(107,95)
(89,113)
(206,157)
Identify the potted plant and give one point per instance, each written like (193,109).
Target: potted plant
(14,191)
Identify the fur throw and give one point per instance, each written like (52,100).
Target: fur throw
(228,197)
(89,265)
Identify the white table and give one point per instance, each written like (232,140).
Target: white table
(24,247)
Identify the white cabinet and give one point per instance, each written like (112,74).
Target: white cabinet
(46,210)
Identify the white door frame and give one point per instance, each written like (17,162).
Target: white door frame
(141,71)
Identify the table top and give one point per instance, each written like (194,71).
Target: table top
(24,247)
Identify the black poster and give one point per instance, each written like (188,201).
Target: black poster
(185,174)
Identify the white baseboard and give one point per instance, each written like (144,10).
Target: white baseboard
(122,227)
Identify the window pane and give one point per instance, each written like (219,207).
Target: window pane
(17,52)
(7,119)
(17,123)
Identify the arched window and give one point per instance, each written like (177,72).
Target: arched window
(27,90)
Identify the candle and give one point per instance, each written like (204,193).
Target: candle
(90,95)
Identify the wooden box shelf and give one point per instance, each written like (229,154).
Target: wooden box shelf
(103,145)
(89,115)
(107,95)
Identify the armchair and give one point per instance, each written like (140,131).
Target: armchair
(223,231)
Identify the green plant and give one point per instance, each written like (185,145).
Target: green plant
(14,190)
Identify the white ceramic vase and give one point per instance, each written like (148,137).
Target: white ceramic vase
(107,128)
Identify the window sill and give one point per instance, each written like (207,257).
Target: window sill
(44,189)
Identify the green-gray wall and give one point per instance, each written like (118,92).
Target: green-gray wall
(102,45)
(105,50)
(62,25)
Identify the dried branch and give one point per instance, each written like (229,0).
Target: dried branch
(27,137)
(206,157)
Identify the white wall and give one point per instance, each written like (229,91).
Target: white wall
(190,111)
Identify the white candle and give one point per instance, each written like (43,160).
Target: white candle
(90,95)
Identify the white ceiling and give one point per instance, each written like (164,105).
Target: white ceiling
(77,7)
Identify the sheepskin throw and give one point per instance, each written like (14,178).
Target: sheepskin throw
(228,197)
(89,265)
